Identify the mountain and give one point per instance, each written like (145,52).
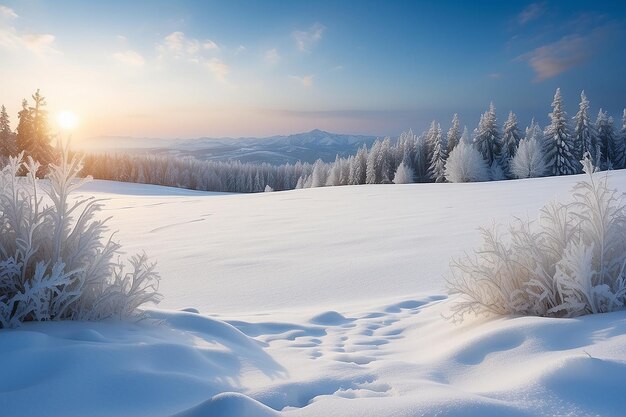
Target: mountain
(305,147)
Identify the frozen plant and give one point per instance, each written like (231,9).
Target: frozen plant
(56,260)
(570,263)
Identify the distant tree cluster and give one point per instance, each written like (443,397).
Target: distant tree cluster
(490,153)
(32,135)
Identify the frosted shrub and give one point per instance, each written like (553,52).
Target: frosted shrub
(56,260)
(466,164)
(571,262)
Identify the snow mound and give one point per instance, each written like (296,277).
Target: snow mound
(229,404)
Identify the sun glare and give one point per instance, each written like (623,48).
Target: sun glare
(67,120)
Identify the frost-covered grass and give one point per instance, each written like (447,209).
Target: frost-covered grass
(56,260)
(570,263)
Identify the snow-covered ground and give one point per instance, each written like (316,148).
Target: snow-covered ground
(316,302)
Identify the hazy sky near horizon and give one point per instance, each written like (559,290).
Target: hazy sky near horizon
(255,68)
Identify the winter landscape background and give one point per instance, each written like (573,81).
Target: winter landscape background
(171,246)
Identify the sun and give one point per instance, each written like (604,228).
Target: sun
(67,120)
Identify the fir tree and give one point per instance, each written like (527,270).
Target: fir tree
(454,134)
(560,151)
(7,138)
(439,157)
(611,146)
(585,139)
(510,141)
(24,136)
(487,137)
(41,149)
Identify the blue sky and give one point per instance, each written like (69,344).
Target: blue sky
(233,68)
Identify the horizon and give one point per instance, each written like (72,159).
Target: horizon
(183,70)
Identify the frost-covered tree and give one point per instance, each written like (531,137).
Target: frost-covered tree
(560,147)
(7,138)
(439,157)
(585,137)
(373,169)
(319,175)
(403,175)
(529,160)
(421,161)
(386,162)
(454,134)
(510,141)
(465,163)
(358,168)
(611,147)
(487,138)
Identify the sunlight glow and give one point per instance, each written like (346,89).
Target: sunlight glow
(67,120)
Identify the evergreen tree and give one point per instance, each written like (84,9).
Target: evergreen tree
(560,150)
(7,138)
(41,149)
(585,139)
(611,146)
(466,164)
(24,136)
(487,137)
(454,134)
(373,169)
(510,141)
(358,167)
(439,157)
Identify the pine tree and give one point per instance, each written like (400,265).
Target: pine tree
(560,150)
(358,167)
(7,138)
(510,141)
(373,169)
(611,146)
(585,137)
(439,157)
(454,134)
(41,149)
(487,137)
(24,136)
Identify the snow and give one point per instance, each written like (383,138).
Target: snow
(316,302)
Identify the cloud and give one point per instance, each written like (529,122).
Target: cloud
(531,12)
(272,56)
(495,75)
(555,58)
(7,12)
(12,38)
(209,44)
(305,80)
(306,39)
(132,58)
(219,69)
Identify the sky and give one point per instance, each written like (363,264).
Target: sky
(184,69)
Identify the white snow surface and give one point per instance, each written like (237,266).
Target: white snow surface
(316,302)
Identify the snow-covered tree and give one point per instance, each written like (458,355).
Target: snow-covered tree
(318,177)
(403,175)
(439,157)
(611,146)
(529,160)
(358,168)
(510,141)
(421,161)
(454,134)
(487,138)
(560,147)
(585,137)
(7,138)
(466,164)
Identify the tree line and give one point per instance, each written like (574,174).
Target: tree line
(490,153)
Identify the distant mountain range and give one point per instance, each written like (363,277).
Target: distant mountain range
(305,147)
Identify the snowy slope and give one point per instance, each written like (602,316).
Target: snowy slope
(322,302)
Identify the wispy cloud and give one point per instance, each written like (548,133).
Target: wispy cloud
(305,80)
(555,58)
(494,75)
(7,12)
(218,68)
(306,39)
(272,56)
(179,46)
(130,57)
(531,12)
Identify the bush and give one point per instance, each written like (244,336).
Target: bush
(466,164)
(572,262)
(56,260)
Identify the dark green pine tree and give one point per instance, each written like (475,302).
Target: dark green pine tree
(7,138)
